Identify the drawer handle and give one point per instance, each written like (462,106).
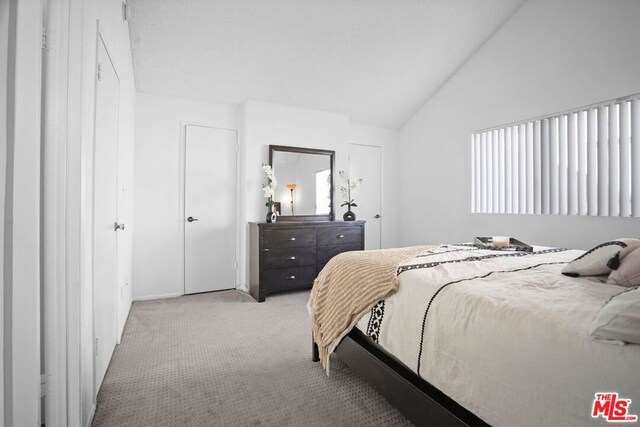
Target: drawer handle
(292,238)
(291,277)
(265,250)
(340,236)
(291,258)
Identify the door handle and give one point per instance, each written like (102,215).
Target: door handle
(191,219)
(377,216)
(117,226)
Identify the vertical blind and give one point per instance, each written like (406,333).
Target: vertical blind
(582,162)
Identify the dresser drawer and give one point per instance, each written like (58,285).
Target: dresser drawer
(328,236)
(288,278)
(288,257)
(291,238)
(325,253)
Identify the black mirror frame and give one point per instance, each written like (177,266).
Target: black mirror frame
(326,217)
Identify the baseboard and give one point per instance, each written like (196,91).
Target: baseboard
(241,288)
(91,415)
(161,296)
(124,324)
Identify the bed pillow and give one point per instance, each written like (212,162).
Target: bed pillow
(601,259)
(618,321)
(628,274)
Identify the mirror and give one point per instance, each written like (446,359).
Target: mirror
(305,183)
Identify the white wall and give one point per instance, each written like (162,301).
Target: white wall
(157,176)
(550,56)
(274,124)
(157,253)
(4,46)
(21,145)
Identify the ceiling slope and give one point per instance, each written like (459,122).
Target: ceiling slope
(376,61)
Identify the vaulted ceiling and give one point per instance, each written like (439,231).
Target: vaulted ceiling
(376,61)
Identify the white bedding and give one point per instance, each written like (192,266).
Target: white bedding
(506,336)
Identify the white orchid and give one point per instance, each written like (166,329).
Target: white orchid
(345,192)
(352,185)
(269,171)
(268,190)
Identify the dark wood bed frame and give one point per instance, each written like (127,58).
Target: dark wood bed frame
(415,398)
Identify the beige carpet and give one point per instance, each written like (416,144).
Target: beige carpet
(221,359)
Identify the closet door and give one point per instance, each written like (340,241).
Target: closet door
(105,215)
(210,188)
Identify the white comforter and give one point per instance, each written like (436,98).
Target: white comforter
(506,336)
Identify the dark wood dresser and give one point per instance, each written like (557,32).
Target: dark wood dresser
(289,255)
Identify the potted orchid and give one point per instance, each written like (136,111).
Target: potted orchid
(348,201)
(268,191)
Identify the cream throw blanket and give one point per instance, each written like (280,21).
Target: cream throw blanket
(348,286)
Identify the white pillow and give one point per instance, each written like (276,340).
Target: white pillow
(618,321)
(628,274)
(601,259)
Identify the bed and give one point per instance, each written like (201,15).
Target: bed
(476,336)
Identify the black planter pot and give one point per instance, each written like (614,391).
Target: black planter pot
(349,216)
(271,216)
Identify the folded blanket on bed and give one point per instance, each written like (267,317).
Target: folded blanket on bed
(348,286)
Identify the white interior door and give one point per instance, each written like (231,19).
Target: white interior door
(209,209)
(124,237)
(105,215)
(365,161)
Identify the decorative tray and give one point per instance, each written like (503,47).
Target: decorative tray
(514,245)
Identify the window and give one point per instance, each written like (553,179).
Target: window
(582,162)
(323,192)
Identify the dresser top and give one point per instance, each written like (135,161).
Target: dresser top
(308,223)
